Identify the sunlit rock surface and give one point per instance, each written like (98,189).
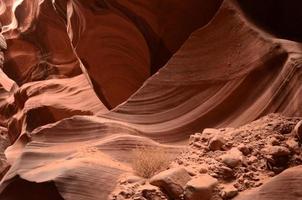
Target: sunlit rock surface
(84,82)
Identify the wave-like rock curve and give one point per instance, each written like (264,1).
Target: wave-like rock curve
(229,70)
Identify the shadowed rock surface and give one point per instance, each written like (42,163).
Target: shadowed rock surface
(85,82)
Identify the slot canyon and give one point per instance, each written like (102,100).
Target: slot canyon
(150,99)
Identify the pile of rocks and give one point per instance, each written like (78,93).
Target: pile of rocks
(220,163)
(175,183)
(137,188)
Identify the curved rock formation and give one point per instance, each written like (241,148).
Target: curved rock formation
(126,41)
(119,47)
(227,73)
(248,74)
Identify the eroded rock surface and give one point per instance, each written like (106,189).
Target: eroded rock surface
(76,94)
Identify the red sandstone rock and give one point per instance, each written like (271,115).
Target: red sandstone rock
(173,181)
(86,57)
(200,188)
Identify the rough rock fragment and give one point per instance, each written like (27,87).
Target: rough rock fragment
(244,149)
(172,181)
(150,192)
(277,157)
(200,188)
(226,172)
(292,144)
(232,158)
(216,143)
(208,133)
(274,141)
(203,169)
(277,151)
(194,138)
(228,192)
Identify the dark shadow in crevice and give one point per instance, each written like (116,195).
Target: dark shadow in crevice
(97,88)
(21,189)
(160,54)
(282,18)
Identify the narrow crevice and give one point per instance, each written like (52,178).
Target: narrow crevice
(278,17)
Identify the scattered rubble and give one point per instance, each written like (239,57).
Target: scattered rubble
(221,163)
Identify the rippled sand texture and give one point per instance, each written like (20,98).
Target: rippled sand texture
(89,81)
